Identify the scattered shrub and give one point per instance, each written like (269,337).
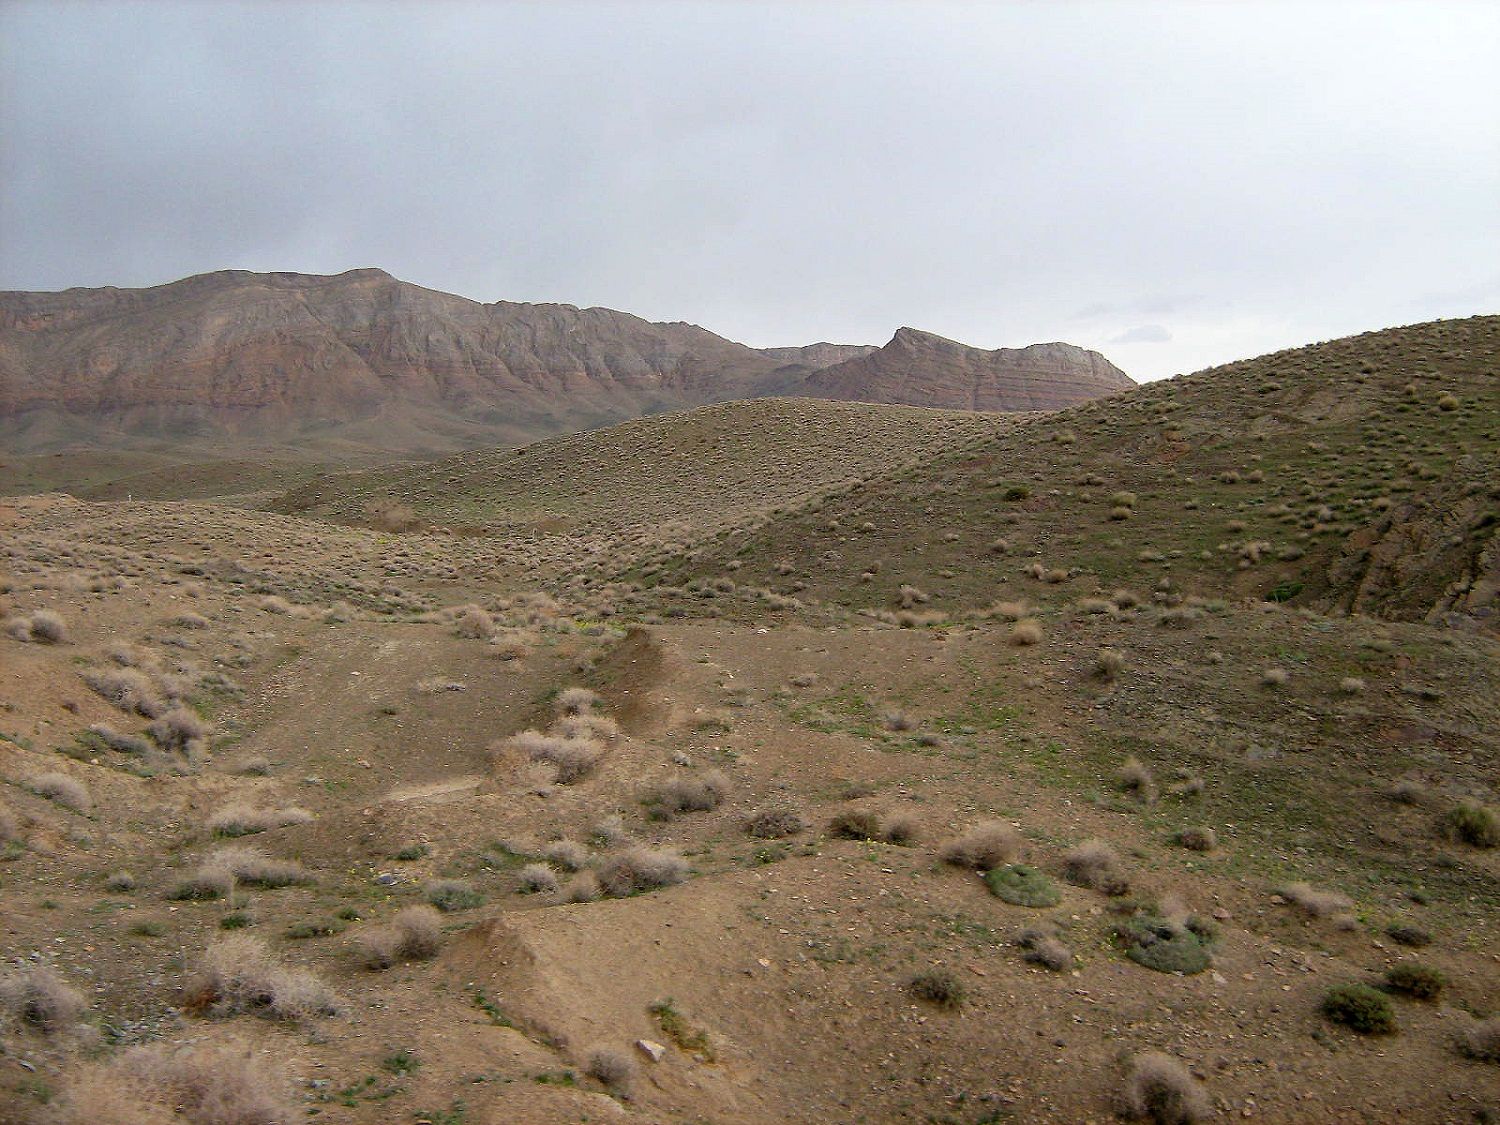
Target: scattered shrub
(1165,944)
(242,820)
(252,866)
(583,887)
(1021,885)
(450,895)
(1198,839)
(1027,631)
(901,829)
(1044,948)
(1420,982)
(1095,865)
(1134,778)
(240,974)
(1109,663)
(180,731)
(10,827)
(1406,934)
(855,824)
(1351,685)
(48,627)
(613,1068)
(1473,824)
(1161,1090)
(120,882)
(774,822)
(984,847)
(1313,902)
(940,987)
(204,884)
(1481,1040)
(576,701)
(637,869)
(59,787)
(1274,677)
(687,794)
(574,758)
(1360,1008)
(36,996)
(567,854)
(537,878)
(221,1084)
(415,933)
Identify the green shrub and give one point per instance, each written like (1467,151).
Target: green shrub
(1473,824)
(1360,1008)
(1420,982)
(1022,885)
(1166,946)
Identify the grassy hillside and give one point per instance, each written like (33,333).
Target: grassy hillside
(1359,474)
(704,469)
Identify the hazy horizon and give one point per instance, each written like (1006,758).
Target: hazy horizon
(1174,185)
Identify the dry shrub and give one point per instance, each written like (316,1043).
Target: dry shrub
(127,688)
(16,627)
(1160,1089)
(573,758)
(1274,677)
(1095,865)
(687,794)
(940,987)
(415,933)
(59,787)
(215,1084)
(901,829)
(1109,663)
(614,1068)
(637,869)
(583,887)
(206,883)
(1134,778)
(576,701)
(1312,902)
(36,996)
(1472,823)
(240,974)
(1351,685)
(180,731)
(599,727)
(10,827)
(855,824)
(242,820)
(253,866)
(567,854)
(537,878)
(474,623)
(775,821)
(1027,631)
(1481,1040)
(1198,839)
(48,627)
(1045,948)
(989,844)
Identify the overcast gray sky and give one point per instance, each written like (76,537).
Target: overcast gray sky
(1175,184)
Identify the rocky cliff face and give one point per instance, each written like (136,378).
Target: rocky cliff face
(361,357)
(920,369)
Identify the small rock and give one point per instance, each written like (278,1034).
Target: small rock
(651,1049)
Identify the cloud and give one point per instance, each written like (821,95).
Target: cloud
(1143,334)
(777,172)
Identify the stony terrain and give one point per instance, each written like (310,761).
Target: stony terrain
(1206,676)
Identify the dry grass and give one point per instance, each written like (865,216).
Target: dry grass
(10,827)
(1043,947)
(680,795)
(239,973)
(252,866)
(1095,865)
(613,1068)
(989,844)
(48,627)
(1027,631)
(208,1084)
(567,854)
(414,934)
(536,878)
(1134,778)
(1198,839)
(1161,1090)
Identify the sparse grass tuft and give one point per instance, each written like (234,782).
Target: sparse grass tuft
(1312,902)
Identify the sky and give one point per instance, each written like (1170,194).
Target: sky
(1175,184)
